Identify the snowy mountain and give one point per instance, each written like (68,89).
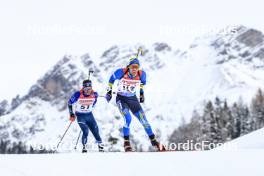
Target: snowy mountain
(225,65)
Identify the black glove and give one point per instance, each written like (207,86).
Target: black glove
(141,98)
(72,117)
(108,95)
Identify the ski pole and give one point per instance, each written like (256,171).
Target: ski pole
(78,140)
(89,74)
(139,52)
(64,134)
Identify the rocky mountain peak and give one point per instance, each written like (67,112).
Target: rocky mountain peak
(243,44)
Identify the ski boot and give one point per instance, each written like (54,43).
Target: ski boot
(101,147)
(127,145)
(84,150)
(156,144)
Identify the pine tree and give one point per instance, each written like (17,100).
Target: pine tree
(219,123)
(247,121)
(257,109)
(242,121)
(187,131)
(236,121)
(210,127)
(226,126)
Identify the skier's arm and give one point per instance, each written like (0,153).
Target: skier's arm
(96,96)
(143,80)
(118,74)
(74,98)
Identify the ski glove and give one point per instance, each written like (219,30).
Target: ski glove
(72,117)
(141,98)
(108,95)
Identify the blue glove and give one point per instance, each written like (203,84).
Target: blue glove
(108,95)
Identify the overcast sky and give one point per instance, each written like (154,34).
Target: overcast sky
(36,34)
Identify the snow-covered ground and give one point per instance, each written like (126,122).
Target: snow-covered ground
(240,163)
(237,162)
(250,141)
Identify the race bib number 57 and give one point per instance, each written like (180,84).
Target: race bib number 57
(85,105)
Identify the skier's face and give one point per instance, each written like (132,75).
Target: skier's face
(134,69)
(87,90)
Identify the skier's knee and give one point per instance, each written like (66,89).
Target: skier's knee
(85,133)
(125,111)
(84,129)
(140,114)
(145,124)
(143,120)
(122,109)
(127,122)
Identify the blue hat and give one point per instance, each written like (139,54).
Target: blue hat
(134,61)
(87,83)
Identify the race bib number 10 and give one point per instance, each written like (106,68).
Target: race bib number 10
(128,86)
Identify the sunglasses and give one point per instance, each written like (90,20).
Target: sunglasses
(87,88)
(134,67)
